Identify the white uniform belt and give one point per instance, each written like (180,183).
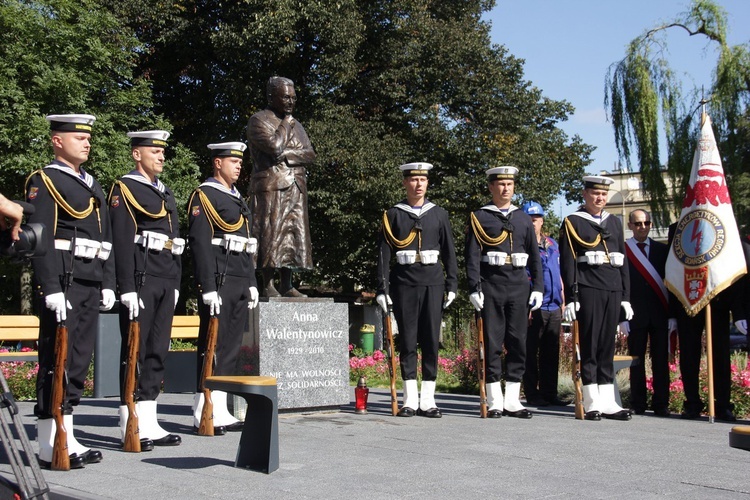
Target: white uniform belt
(248,245)
(140,240)
(85,248)
(508,259)
(584,259)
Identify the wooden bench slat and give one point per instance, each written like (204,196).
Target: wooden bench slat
(19,328)
(179,321)
(18,334)
(244,379)
(22,321)
(182,332)
(623,357)
(185,327)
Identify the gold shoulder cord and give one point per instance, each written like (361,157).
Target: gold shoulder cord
(60,201)
(484,239)
(572,232)
(216,220)
(134,203)
(395,242)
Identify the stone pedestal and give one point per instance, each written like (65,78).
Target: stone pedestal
(304,343)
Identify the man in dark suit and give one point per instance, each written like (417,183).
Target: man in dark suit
(650,324)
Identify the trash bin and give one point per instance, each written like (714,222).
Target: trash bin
(367,338)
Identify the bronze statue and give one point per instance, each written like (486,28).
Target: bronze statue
(280,150)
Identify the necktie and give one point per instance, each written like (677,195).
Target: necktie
(642,246)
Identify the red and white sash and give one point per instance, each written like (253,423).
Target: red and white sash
(639,260)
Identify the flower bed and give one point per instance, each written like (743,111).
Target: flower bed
(21,377)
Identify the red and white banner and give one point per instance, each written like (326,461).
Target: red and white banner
(706,254)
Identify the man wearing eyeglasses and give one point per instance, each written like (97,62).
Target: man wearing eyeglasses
(650,323)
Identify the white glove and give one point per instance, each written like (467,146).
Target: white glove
(253,302)
(624,328)
(213,301)
(535,300)
(477,300)
(671,325)
(449,299)
(56,303)
(108,300)
(741,325)
(569,313)
(628,310)
(133,303)
(384,301)
(176,297)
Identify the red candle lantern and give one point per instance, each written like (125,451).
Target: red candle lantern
(360,396)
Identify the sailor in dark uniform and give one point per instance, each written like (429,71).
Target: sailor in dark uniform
(592,258)
(74,279)
(500,246)
(222,253)
(146,228)
(419,233)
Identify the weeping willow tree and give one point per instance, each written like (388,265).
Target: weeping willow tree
(644,97)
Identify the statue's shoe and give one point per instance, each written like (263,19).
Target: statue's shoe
(293,292)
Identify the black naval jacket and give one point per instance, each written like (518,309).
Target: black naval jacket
(210,260)
(604,277)
(128,220)
(434,226)
(521,233)
(77,191)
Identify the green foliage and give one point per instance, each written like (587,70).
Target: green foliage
(380,83)
(642,89)
(63,56)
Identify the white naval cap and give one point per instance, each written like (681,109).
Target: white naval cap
(157,138)
(597,182)
(416,168)
(506,172)
(71,123)
(235,149)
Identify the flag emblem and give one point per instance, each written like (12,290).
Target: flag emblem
(699,237)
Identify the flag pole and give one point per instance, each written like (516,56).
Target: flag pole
(710,365)
(709,333)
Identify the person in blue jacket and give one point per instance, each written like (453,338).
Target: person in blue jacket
(543,335)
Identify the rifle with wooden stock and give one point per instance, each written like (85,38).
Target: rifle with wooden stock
(390,352)
(206,426)
(132,441)
(577,384)
(481,367)
(60,456)
(577,373)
